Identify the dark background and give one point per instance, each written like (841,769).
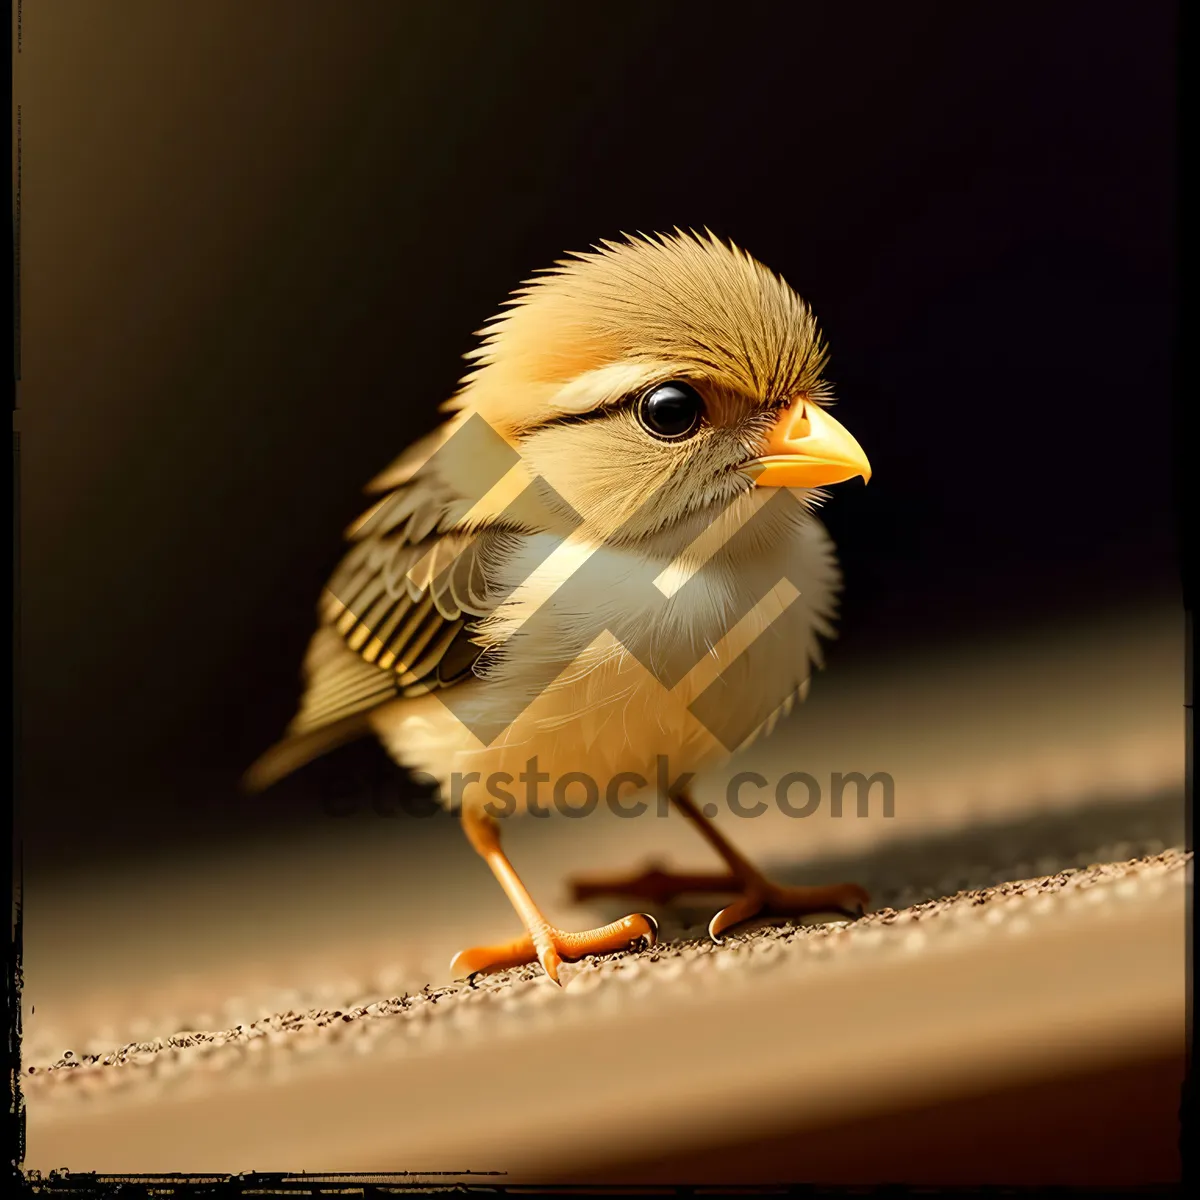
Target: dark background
(255,240)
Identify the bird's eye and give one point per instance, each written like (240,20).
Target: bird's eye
(671,411)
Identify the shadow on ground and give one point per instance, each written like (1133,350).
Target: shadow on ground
(911,870)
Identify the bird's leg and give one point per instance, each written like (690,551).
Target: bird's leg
(541,941)
(758,896)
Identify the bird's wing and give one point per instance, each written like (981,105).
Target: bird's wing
(396,619)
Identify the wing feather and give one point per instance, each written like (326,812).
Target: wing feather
(396,620)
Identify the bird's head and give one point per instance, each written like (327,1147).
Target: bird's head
(648,379)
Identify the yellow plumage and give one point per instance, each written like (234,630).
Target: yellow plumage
(627,417)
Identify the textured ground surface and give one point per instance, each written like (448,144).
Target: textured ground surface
(1029,926)
(488,1007)
(778,1026)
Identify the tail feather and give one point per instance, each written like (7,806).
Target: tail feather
(292,753)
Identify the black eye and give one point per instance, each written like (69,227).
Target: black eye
(671,411)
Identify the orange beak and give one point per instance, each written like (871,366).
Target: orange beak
(808,448)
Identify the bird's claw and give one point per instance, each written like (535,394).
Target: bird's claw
(650,937)
(847,899)
(554,947)
(550,960)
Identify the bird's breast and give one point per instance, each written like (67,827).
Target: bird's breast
(607,661)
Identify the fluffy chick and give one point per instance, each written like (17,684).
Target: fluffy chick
(650,414)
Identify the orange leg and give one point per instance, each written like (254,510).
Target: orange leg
(541,941)
(758,896)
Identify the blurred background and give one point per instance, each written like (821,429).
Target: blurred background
(255,241)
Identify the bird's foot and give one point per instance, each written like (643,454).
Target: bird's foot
(763,901)
(760,900)
(552,947)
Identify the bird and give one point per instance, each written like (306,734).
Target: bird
(604,558)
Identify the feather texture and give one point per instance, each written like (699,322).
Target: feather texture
(396,620)
(433,599)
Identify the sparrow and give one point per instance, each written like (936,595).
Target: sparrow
(606,558)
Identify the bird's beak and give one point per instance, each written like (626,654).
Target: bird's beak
(808,448)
